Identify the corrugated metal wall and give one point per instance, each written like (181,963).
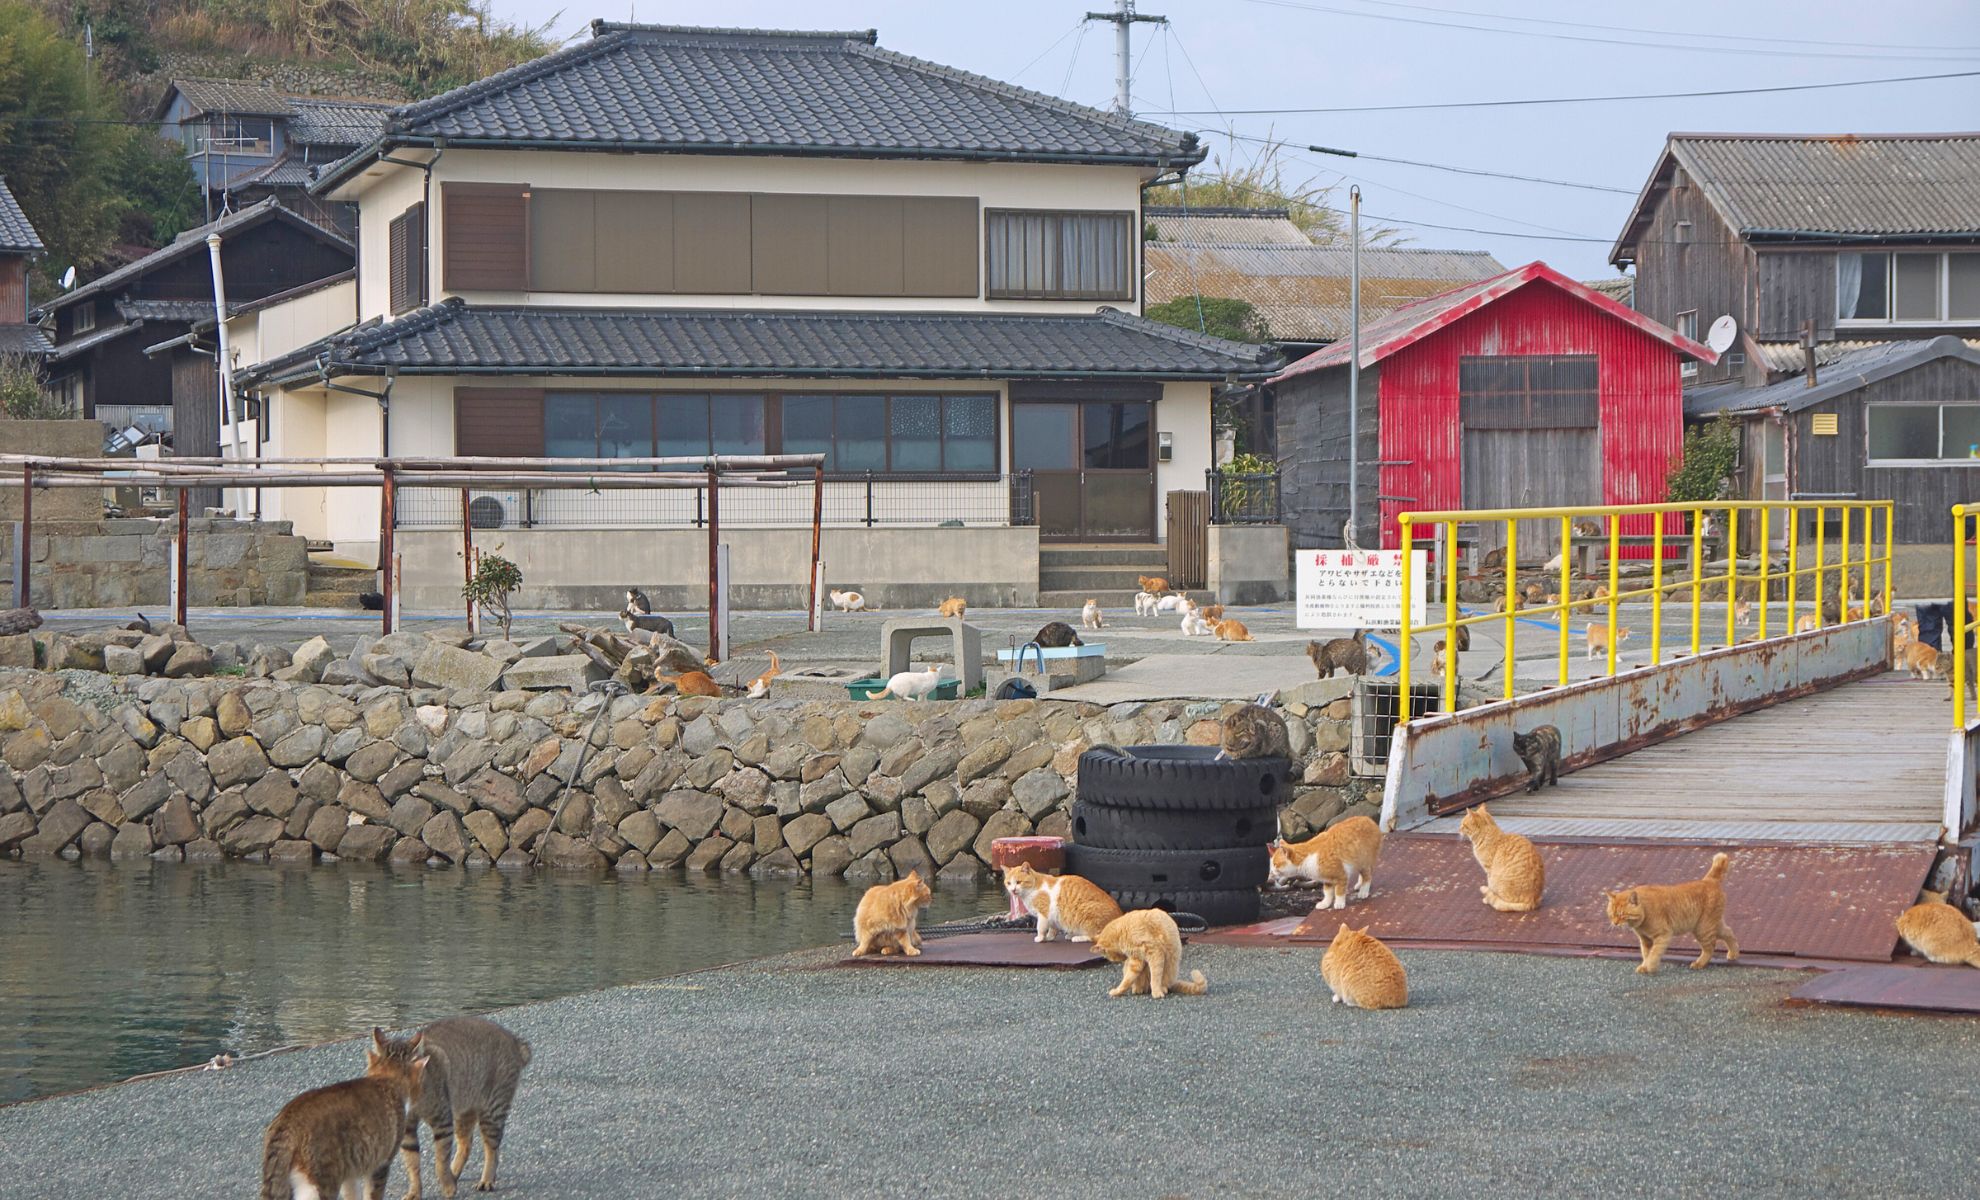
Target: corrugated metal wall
(1642,413)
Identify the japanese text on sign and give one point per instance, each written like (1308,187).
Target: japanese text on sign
(1357,589)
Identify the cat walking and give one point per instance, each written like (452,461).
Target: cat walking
(470,1083)
(1349,654)
(1341,859)
(1658,912)
(1539,751)
(342,1136)
(1067,904)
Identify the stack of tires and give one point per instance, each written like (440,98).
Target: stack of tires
(1177,828)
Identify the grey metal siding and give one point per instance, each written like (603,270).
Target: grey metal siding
(1312,422)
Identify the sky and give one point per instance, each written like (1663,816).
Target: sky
(1218,58)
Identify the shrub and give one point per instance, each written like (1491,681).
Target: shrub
(24,395)
(1710,457)
(494,578)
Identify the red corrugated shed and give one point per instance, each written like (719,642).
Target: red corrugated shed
(1532,310)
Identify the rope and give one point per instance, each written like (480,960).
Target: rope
(611,689)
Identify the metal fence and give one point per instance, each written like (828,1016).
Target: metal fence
(1242,499)
(850,502)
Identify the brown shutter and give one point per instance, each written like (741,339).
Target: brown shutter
(498,422)
(486,228)
(408,259)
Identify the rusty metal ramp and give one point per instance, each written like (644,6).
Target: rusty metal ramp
(1937,989)
(1807,901)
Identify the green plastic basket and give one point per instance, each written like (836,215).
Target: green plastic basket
(866,689)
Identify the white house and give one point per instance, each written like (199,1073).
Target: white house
(693,241)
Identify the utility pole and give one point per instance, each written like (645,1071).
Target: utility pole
(1353,535)
(1124,18)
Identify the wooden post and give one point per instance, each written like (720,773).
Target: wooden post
(179,579)
(388,516)
(467,560)
(715,647)
(817,534)
(24,538)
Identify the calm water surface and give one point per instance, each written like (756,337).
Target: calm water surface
(109,970)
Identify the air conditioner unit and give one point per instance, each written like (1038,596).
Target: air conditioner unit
(496,510)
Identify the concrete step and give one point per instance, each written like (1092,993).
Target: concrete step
(353,577)
(1115,602)
(1058,579)
(1152,559)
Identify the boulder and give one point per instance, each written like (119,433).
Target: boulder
(387,669)
(227,810)
(708,855)
(527,828)
(309,659)
(409,852)
(802,833)
(174,823)
(641,830)
(272,795)
(367,843)
(410,814)
(496,792)
(444,666)
(237,760)
(951,835)
(909,854)
(263,661)
(571,854)
(292,850)
(778,864)
(370,761)
(123,660)
(831,857)
(487,831)
(133,840)
(1039,792)
(298,747)
(670,850)
(17,650)
(15,828)
(1000,825)
(446,836)
(874,833)
(189,660)
(327,826)
(572,672)
(255,833)
(232,715)
(14,712)
(694,814)
(202,732)
(847,811)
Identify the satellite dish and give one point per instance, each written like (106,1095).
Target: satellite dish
(68,279)
(1720,336)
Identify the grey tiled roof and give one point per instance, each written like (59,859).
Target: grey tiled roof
(283,172)
(163,310)
(452,337)
(251,97)
(1836,374)
(24,339)
(665,88)
(1225,226)
(16,232)
(320,122)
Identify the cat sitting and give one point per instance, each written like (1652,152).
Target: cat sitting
(342,1136)
(911,685)
(847,601)
(1231,630)
(1361,972)
(1658,912)
(885,921)
(1149,944)
(1341,859)
(1193,624)
(1090,616)
(1173,603)
(1065,904)
(1254,731)
(1515,875)
(1939,932)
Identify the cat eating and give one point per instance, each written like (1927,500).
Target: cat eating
(1149,944)
(1939,933)
(884,922)
(1065,904)
(1340,859)
(1657,912)
(1515,875)
(1056,635)
(1361,972)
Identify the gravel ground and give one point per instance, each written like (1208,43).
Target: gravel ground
(1509,1075)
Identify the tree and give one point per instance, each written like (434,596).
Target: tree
(161,196)
(494,578)
(1710,456)
(60,139)
(1259,182)
(1218,316)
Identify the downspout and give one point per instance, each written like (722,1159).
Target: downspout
(426,219)
(223,364)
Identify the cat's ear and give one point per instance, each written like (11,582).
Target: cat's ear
(378,1038)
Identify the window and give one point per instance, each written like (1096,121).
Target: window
(1060,255)
(1907,288)
(1687,326)
(722,423)
(1684,233)
(84,319)
(1924,432)
(238,135)
(1533,391)
(407,259)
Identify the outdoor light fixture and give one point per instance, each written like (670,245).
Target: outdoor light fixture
(1165,447)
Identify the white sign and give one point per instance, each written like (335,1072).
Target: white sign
(1357,589)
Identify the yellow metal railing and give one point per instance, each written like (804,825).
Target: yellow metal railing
(1966,523)
(1655,521)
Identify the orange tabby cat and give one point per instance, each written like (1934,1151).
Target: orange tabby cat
(1657,912)
(344,1135)
(1515,876)
(1211,613)
(1807,623)
(1148,942)
(1062,903)
(692,683)
(1339,859)
(884,923)
(954,606)
(1598,639)
(1231,630)
(1362,972)
(1923,661)
(1940,932)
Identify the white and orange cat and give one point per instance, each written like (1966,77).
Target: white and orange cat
(1091,617)
(759,687)
(1939,932)
(1230,629)
(886,920)
(1598,639)
(1340,859)
(847,601)
(1149,946)
(1657,912)
(1515,874)
(1361,972)
(1065,904)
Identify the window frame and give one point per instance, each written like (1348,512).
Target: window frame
(1944,319)
(1689,367)
(241,144)
(1527,363)
(1939,406)
(84,319)
(1125,219)
(773,425)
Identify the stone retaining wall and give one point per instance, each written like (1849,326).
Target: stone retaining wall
(198,769)
(120,562)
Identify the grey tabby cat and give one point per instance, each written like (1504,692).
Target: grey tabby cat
(1056,635)
(1255,731)
(471,1076)
(1540,751)
(1348,654)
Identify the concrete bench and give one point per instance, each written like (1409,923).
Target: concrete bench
(898,635)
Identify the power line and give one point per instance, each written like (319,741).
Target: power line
(1682,33)
(1752,91)
(1609,41)
(1412,162)
(1047,50)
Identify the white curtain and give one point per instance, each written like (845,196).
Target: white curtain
(1849,283)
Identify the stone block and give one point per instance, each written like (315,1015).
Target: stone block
(804,832)
(951,835)
(15,828)
(309,659)
(174,823)
(487,831)
(778,864)
(524,830)
(254,834)
(326,827)
(272,795)
(572,672)
(570,854)
(831,857)
(123,660)
(671,850)
(875,833)
(410,814)
(370,761)
(446,836)
(1039,792)
(367,843)
(235,761)
(189,660)
(847,811)
(292,850)
(444,666)
(1000,825)
(132,840)
(640,830)
(409,852)
(17,650)
(227,810)
(694,814)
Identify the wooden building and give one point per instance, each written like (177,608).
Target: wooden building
(1524,390)
(19,247)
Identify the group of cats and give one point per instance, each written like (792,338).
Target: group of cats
(455,1076)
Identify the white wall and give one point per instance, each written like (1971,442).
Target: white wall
(1184,413)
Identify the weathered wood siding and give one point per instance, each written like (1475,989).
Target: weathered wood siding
(1311,423)
(195,414)
(1924,495)
(1795,286)
(119,372)
(1712,272)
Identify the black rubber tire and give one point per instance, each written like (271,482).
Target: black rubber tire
(1223,869)
(1111,828)
(1235,907)
(1180,777)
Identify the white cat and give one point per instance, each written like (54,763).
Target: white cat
(848,601)
(912,685)
(1090,615)
(1193,624)
(1172,603)
(1144,604)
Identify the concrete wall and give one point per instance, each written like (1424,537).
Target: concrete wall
(1448,761)
(58,439)
(126,561)
(1250,564)
(591,569)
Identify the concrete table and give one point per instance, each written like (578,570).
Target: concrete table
(898,635)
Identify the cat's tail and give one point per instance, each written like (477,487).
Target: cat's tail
(1195,985)
(277,1160)
(1717,871)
